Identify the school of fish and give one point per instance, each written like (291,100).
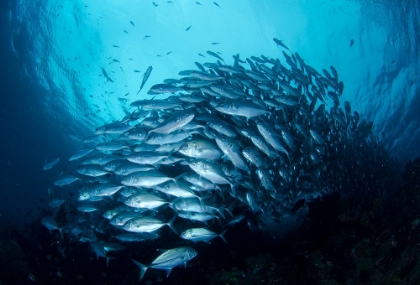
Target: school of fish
(223,143)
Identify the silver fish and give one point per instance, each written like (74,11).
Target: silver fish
(317,137)
(198,217)
(204,149)
(113,212)
(110,146)
(56,203)
(266,182)
(80,154)
(100,159)
(225,92)
(174,122)
(176,189)
(209,171)
(51,164)
(201,234)
(192,205)
(242,108)
(145,77)
(147,178)
(135,237)
(205,76)
(159,139)
(198,181)
(105,189)
(163,88)
(87,208)
(168,260)
(129,167)
(232,150)
(120,219)
(92,170)
(146,224)
(214,54)
(259,142)
(113,128)
(271,137)
(280,43)
(145,201)
(65,180)
(50,224)
(253,156)
(155,104)
(145,157)
(222,128)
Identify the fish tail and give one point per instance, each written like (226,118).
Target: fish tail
(171,224)
(62,251)
(222,236)
(220,211)
(108,259)
(229,211)
(233,189)
(142,267)
(217,188)
(139,91)
(175,179)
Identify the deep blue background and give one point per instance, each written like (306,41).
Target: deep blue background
(24,134)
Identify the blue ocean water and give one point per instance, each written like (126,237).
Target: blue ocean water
(68,67)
